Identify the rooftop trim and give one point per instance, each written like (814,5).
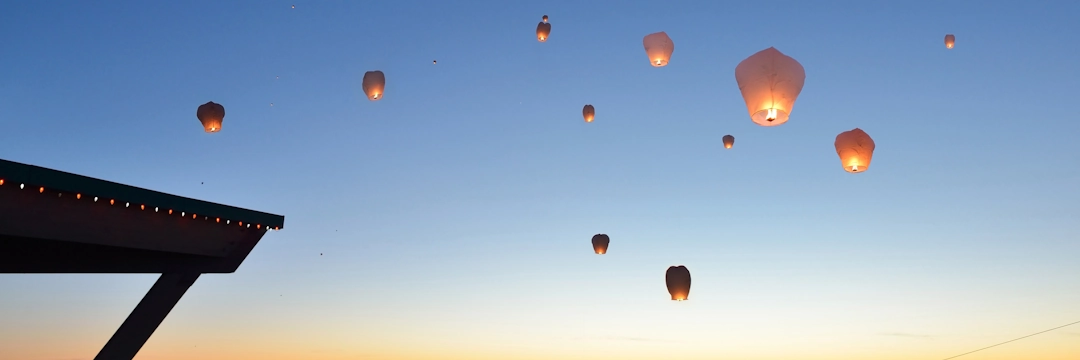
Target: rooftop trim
(17,174)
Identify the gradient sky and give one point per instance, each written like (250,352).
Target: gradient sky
(454,215)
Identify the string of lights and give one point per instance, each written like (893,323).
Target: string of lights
(141,207)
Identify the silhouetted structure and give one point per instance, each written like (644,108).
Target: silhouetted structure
(58,222)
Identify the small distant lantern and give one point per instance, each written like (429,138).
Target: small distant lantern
(950,41)
(589,113)
(856,149)
(374,84)
(770,82)
(678,282)
(729,141)
(544,19)
(211,115)
(543,29)
(658,46)
(600,243)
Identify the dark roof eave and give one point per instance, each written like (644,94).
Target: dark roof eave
(14,173)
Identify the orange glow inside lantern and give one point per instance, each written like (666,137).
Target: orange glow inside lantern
(212,126)
(950,40)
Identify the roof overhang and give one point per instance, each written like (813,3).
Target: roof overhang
(58,222)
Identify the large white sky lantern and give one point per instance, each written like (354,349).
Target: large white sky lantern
(659,48)
(770,81)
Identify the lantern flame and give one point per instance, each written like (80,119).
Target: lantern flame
(771,116)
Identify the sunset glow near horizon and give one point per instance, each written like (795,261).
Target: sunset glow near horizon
(454,215)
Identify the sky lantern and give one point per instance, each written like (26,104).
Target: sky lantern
(374,84)
(855,149)
(658,47)
(543,29)
(678,282)
(729,141)
(770,81)
(589,112)
(211,115)
(950,40)
(600,243)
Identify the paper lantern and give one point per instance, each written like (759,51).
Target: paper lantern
(950,40)
(544,19)
(678,282)
(729,141)
(543,29)
(770,81)
(589,113)
(658,47)
(600,243)
(211,115)
(374,84)
(855,148)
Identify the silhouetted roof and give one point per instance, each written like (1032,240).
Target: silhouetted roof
(36,177)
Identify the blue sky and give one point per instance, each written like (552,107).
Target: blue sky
(459,208)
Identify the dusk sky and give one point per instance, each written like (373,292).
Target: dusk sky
(453,216)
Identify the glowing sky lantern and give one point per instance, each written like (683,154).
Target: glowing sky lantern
(678,282)
(855,148)
(589,113)
(658,47)
(729,141)
(600,243)
(543,30)
(211,115)
(770,81)
(950,41)
(374,84)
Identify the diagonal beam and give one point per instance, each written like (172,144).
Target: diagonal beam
(146,317)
